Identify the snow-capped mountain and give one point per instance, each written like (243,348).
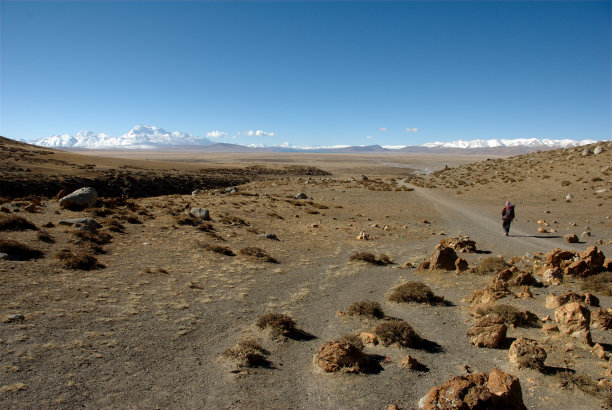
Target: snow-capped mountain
(519,142)
(141,136)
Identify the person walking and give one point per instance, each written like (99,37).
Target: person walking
(507,217)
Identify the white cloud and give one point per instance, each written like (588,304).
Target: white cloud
(260,133)
(412,129)
(216,134)
(368,136)
(284,145)
(383,129)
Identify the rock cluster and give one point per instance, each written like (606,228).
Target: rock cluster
(458,243)
(571,263)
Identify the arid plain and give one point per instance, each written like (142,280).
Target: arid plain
(160,304)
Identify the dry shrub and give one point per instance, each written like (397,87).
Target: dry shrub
(280,323)
(510,314)
(353,339)
(258,253)
(92,236)
(572,380)
(101,212)
(215,235)
(188,220)
(491,266)
(600,284)
(133,219)
(80,261)
(247,353)
(113,225)
(15,223)
(417,292)
(232,220)
(154,270)
(367,257)
(366,308)
(206,227)
(45,236)
(398,332)
(224,250)
(18,250)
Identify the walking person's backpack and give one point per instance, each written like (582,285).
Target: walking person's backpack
(509,212)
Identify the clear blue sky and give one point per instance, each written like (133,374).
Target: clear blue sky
(320,73)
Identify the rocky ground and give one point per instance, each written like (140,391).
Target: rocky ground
(334,298)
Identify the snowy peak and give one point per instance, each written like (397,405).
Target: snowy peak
(519,142)
(141,136)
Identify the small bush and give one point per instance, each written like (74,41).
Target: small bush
(81,261)
(353,339)
(15,223)
(232,220)
(45,236)
(417,292)
(491,266)
(206,227)
(101,212)
(258,253)
(600,284)
(247,353)
(280,323)
(366,308)
(113,225)
(367,257)
(224,250)
(188,220)
(100,238)
(510,314)
(569,379)
(396,332)
(18,250)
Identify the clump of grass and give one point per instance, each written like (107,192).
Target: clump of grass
(247,353)
(258,253)
(510,314)
(223,250)
(133,219)
(367,257)
(18,250)
(491,266)
(232,220)
(80,261)
(398,332)
(572,380)
(353,339)
(15,223)
(151,270)
(188,220)
(417,292)
(45,236)
(92,236)
(206,227)
(366,308)
(600,284)
(280,323)
(101,212)
(113,225)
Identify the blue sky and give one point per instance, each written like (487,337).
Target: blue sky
(311,73)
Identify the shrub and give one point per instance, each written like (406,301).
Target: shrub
(15,223)
(247,353)
(206,227)
(258,253)
(280,323)
(353,339)
(113,225)
(100,238)
(45,236)
(491,265)
(510,314)
(367,257)
(415,292)
(18,250)
(397,332)
(224,250)
(188,220)
(80,261)
(600,283)
(232,220)
(366,308)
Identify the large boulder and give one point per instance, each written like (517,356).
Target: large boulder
(496,390)
(336,356)
(556,257)
(79,199)
(201,213)
(571,238)
(490,331)
(574,319)
(594,259)
(443,258)
(526,353)
(602,319)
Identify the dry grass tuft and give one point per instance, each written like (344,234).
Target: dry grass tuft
(206,227)
(417,292)
(367,257)
(396,332)
(232,220)
(366,308)
(99,238)
(45,236)
(258,253)
(224,250)
(492,266)
(600,284)
(18,250)
(280,323)
(247,353)
(510,314)
(113,225)
(188,220)
(80,261)
(569,379)
(15,223)
(353,339)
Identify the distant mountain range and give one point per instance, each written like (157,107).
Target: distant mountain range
(148,137)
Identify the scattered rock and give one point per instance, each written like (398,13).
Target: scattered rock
(571,238)
(524,279)
(461,265)
(541,229)
(459,243)
(368,338)
(31,208)
(503,275)
(525,293)
(598,150)
(490,331)
(363,236)
(410,362)
(599,351)
(601,319)
(574,319)
(301,195)
(526,353)
(79,199)
(587,151)
(201,213)
(195,192)
(336,356)
(443,258)
(17,317)
(549,328)
(490,294)
(552,276)
(497,390)
(89,222)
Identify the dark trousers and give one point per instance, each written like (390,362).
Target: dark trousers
(506,225)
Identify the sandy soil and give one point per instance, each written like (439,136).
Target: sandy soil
(149,329)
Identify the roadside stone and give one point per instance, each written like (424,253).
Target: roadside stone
(443,259)
(79,199)
(557,257)
(5,210)
(574,319)
(301,195)
(525,353)
(336,356)
(490,331)
(201,213)
(490,294)
(571,238)
(552,276)
(410,362)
